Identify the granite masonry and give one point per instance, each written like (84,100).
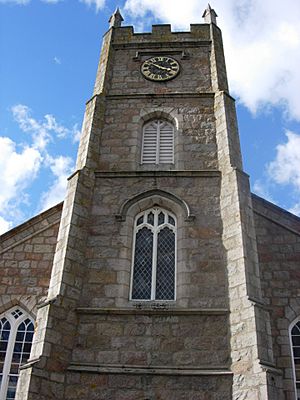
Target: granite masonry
(226,333)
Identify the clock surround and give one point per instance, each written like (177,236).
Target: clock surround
(160,68)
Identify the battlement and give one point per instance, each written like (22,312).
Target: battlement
(162,33)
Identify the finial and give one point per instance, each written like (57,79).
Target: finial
(209,15)
(116,19)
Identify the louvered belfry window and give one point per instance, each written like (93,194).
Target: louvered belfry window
(154,256)
(158,142)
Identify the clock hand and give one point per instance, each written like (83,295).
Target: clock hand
(161,67)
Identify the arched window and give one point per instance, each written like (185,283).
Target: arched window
(295,340)
(158,142)
(16,333)
(154,256)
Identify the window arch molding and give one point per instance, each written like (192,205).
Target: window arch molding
(294,336)
(16,335)
(154,256)
(169,115)
(153,197)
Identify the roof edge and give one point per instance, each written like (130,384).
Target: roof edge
(31,222)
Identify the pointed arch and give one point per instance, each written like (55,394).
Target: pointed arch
(17,302)
(155,195)
(160,114)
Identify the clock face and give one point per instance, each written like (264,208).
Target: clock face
(160,68)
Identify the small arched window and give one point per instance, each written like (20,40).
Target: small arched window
(295,341)
(158,143)
(16,333)
(154,256)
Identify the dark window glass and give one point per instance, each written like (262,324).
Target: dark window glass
(142,269)
(150,218)
(165,272)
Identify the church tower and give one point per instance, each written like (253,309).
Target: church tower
(155,289)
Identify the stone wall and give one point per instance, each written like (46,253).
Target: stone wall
(26,261)
(201,280)
(147,387)
(192,118)
(278,241)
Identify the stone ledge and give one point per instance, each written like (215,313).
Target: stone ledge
(150,174)
(161,44)
(152,311)
(209,95)
(270,367)
(149,370)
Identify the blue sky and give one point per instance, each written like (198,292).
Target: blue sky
(49,55)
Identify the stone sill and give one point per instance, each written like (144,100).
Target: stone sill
(169,173)
(152,311)
(149,370)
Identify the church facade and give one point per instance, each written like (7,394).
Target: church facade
(160,276)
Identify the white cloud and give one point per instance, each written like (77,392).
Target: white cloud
(259,37)
(42,131)
(61,168)
(285,169)
(4,225)
(20,164)
(18,170)
(97,3)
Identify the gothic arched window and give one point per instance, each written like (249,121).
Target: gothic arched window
(154,256)
(158,142)
(16,333)
(295,341)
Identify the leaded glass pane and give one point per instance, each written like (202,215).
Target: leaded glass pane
(140,220)
(12,387)
(150,218)
(22,344)
(4,338)
(171,220)
(165,272)
(16,313)
(296,330)
(161,218)
(142,269)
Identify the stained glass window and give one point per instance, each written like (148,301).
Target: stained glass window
(154,256)
(16,333)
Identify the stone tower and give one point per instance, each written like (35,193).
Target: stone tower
(155,289)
